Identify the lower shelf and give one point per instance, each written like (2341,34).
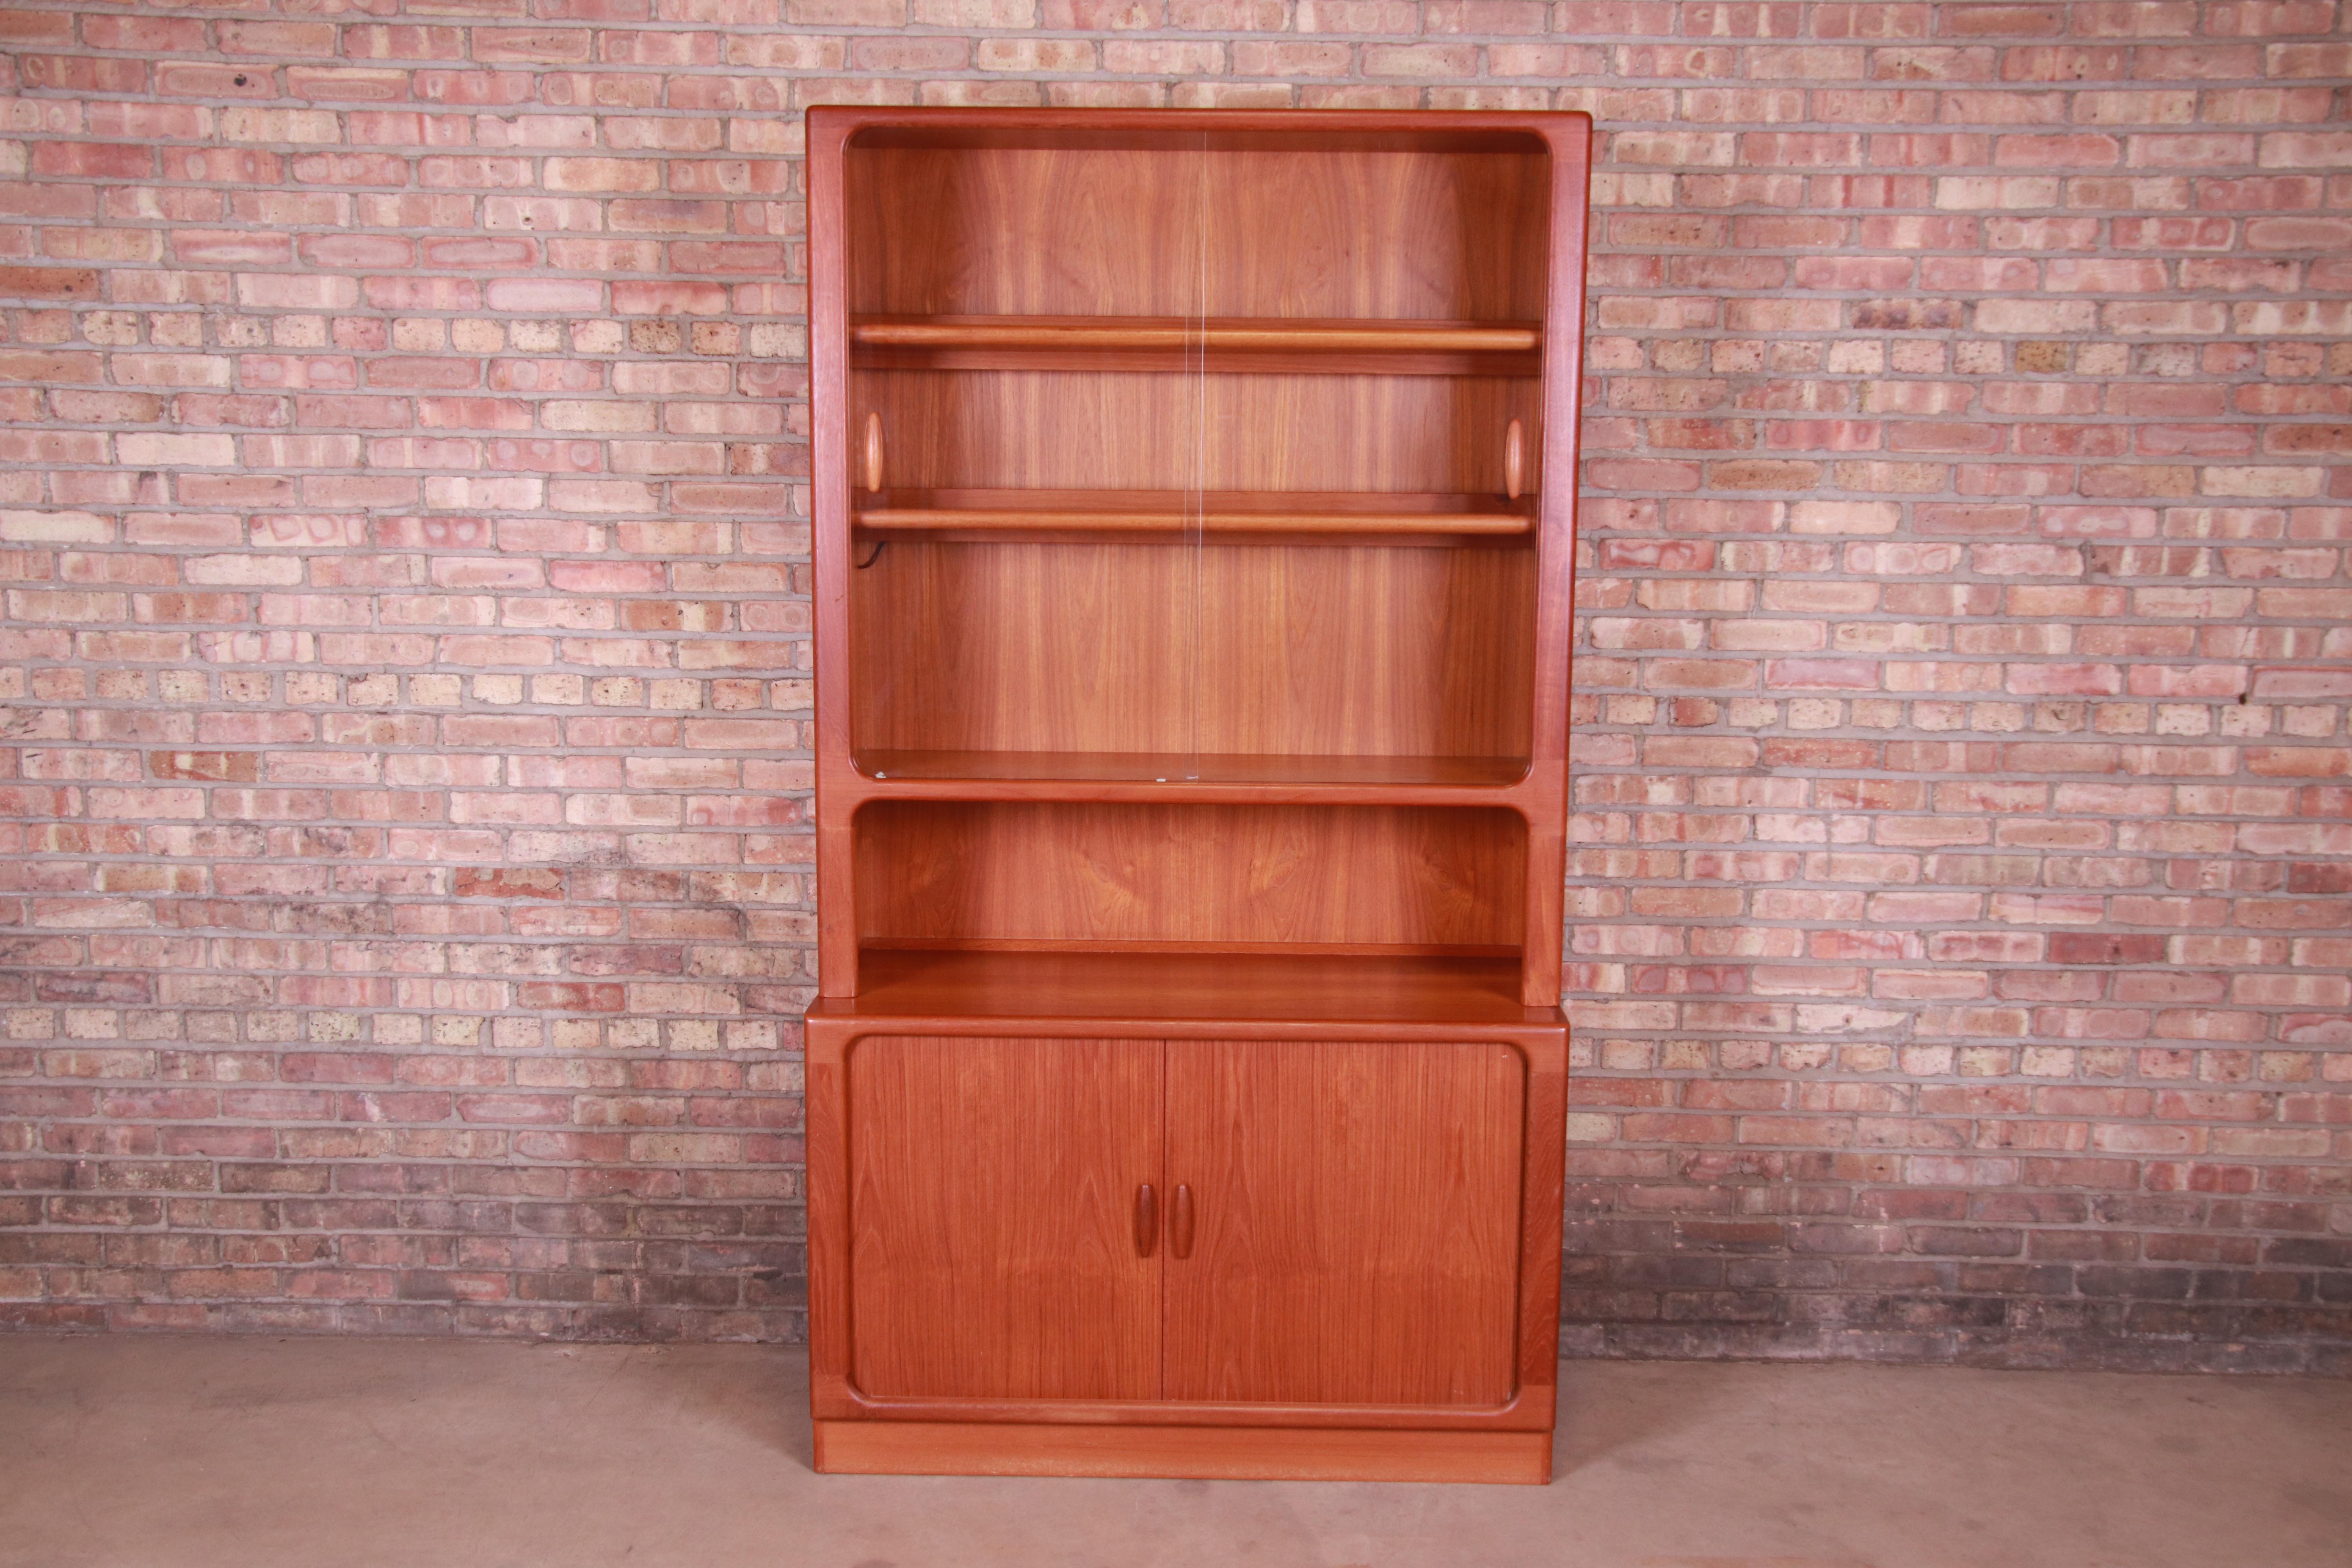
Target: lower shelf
(1189,1453)
(1290,771)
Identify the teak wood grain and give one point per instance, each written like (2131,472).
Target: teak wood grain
(1194,233)
(990,516)
(1206,1453)
(1191,346)
(1301,777)
(1357,1206)
(836,1031)
(1074,876)
(1272,432)
(1267,335)
(1130,648)
(992,1200)
(1244,993)
(1193,507)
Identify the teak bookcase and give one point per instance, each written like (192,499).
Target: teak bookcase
(1194,502)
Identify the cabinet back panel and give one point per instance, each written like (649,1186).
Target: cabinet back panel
(956,873)
(1023,231)
(1022,648)
(1303,651)
(1118,232)
(1363,432)
(1427,235)
(1031,429)
(1366,652)
(1135,430)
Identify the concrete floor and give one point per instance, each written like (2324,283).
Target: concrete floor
(162,1453)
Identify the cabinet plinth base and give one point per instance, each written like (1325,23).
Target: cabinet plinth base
(1188,1453)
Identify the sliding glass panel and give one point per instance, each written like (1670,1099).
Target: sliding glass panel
(1025,356)
(1387,633)
(1188,455)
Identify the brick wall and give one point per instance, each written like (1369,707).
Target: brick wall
(406,859)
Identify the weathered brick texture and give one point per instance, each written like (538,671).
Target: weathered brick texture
(403,524)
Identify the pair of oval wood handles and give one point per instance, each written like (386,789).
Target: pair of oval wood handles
(1515,457)
(1179,1221)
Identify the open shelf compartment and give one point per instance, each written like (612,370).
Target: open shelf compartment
(1174,876)
(1307,663)
(1155,894)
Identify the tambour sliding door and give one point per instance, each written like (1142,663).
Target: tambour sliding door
(992,1193)
(1355,1222)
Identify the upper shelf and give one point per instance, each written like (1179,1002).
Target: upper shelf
(1176,333)
(1148,775)
(1259,344)
(1169,516)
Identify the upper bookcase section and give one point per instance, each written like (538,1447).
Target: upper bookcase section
(1228,449)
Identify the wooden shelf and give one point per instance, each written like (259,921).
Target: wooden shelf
(1079,332)
(1132,986)
(1208,773)
(1241,345)
(1167,517)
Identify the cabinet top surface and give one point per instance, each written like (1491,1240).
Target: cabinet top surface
(1364,129)
(1225,988)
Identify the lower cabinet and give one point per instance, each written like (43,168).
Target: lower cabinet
(1292,1222)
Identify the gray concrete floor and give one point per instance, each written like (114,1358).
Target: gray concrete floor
(186,1453)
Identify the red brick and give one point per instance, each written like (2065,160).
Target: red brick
(1967,507)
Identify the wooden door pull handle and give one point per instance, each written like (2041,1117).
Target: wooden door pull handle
(1180,1223)
(874,453)
(1515,459)
(1147,1220)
